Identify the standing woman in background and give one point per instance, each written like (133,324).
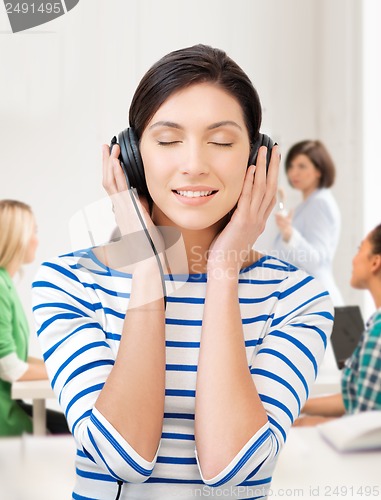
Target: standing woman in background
(308,237)
(18,243)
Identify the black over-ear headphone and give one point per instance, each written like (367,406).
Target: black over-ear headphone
(132,163)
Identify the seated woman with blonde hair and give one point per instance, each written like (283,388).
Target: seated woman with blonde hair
(18,243)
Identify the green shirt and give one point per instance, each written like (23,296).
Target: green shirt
(14,338)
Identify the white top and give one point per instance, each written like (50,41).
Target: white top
(12,367)
(312,246)
(80,305)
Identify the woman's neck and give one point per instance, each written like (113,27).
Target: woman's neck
(12,268)
(376,294)
(197,244)
(307,193)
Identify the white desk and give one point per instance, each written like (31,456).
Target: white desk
(37,391)
(309,467)
(37,467)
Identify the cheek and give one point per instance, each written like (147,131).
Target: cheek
(236,178)
(157,174)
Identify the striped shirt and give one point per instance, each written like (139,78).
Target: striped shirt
(79,307)
(361,379)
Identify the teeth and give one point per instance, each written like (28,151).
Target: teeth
(194,194)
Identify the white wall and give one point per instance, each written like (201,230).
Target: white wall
(371,118)
(66,88)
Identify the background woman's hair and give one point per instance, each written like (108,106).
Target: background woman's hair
(375,239)
(319,156)
(185,67)
(16,229)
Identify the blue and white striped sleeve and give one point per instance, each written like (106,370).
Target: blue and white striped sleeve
(283,368)
(78,360)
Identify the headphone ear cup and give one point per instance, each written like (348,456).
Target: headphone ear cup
(263,140)
(132,161)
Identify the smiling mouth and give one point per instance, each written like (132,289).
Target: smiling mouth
(194,194)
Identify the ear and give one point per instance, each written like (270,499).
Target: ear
(376,263)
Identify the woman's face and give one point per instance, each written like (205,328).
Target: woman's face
(303,175)
(362,265)
(195,152)
(30,253)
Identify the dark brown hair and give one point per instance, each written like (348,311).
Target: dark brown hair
(375,239)
(185,67)
(319,156)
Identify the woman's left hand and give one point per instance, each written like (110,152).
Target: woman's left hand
(284,223)
(231,248)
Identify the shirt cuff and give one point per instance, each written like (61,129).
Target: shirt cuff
(12,367)
(252,455)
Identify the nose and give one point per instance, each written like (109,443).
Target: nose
(195,161)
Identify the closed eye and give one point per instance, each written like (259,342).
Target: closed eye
(168,143)
(223,144)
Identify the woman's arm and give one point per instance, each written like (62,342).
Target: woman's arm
(368,383)
(229,411)
(325,406)
(283,369)
(80,324)
(132,399)
(112,392)
(317,243)
(13,368)
(36,370)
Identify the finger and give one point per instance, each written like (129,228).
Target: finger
(270,208)
(109,166)
(247,188)
(259,185)
(105,159)
(273,170)
(119,176)
(271,182)
(115,151)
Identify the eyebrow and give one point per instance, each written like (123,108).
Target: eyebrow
(210,127)
(223,124)
(166,124)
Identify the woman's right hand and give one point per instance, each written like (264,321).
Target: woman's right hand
(131,211)
(115,184)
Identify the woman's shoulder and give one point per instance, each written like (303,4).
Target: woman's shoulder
(375,324)
(5,285)
(322,202)
(324,197)
(289,292)
(81,266)
(272,269)
(70,265)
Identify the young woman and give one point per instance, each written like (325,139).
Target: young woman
(361,379)
(166,398)
(18,243)
(308,238)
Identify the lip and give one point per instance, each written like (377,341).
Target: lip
(201,200)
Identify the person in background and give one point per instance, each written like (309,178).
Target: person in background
(308,236)
(18,243)
(361,377)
